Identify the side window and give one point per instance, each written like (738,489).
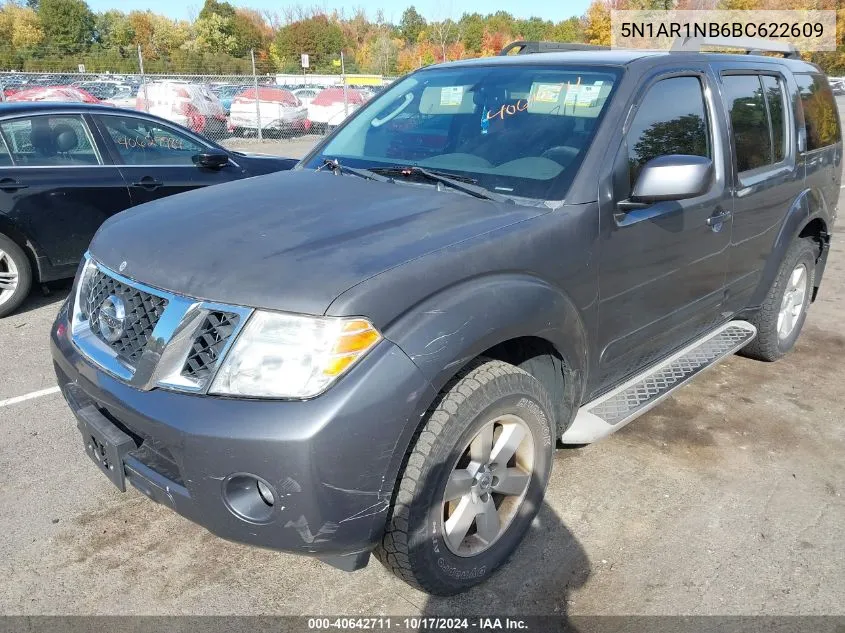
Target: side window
(749,121)
(142,142)
(672,119)
(819,111)
(49,141)
(774,100)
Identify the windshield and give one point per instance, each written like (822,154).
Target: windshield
(516,130)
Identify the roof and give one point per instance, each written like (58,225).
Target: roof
(619,57)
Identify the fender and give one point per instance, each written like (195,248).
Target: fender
(807,207)
(40,264)
(445,331)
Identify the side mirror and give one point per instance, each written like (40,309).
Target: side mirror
(211,160)
(671,177)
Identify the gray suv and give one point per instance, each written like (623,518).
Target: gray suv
(379,351)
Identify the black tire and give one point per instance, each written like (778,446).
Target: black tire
(413,546)
(768,345)
(21,263)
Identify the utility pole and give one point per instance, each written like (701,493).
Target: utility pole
(343,77)
(143,80)
(257,100)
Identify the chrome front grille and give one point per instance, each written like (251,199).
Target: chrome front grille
(149,337)
(143,311)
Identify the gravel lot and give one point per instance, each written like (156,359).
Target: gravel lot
(725,499)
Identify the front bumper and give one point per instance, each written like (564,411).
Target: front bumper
(331,461)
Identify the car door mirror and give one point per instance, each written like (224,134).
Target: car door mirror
(211,160)
(671,177)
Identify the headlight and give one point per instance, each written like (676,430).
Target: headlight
(291,356)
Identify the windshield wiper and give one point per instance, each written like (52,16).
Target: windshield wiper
(459,183)
(336,168)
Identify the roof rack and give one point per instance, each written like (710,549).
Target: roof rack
(525,48)
(752,45)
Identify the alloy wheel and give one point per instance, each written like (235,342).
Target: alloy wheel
(487,485)
(8,277)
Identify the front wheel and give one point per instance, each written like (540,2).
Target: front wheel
(781,317)
(473,482)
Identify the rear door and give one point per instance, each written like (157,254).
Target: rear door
(157,160)
(59,188)
(765,178)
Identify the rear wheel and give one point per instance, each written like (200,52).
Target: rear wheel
(15,276)
(781,317)
(473,481)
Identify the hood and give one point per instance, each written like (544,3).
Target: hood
(290,241)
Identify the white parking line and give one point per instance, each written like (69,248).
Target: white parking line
(28,396)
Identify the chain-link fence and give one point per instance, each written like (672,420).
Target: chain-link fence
(239,111)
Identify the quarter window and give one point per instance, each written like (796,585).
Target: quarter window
(672,119)
(142,142)
(49,141)
(819,111)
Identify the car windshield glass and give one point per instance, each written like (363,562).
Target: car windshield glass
(516,130)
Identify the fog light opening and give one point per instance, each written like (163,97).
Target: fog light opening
(249,497)
(265,493)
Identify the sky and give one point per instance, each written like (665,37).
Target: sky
(430,9)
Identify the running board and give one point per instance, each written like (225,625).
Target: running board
(610,412)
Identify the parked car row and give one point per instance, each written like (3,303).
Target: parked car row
(212,111)
(67,167)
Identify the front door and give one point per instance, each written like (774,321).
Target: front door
(157,160)
(662,268)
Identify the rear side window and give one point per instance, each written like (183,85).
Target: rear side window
(671,119)
(819,111)
(49,141)
(749,121)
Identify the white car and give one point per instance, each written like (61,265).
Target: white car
(193,106)
(306,95)
(124,98)
(279,110)
(329,109)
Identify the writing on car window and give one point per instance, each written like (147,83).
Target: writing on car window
(144,142)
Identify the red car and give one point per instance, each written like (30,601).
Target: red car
(54,93)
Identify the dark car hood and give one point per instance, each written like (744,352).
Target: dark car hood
(290,241)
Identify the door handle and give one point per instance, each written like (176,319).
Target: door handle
(10,186)
(715,221)
(148,182)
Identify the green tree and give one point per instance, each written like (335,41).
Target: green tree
(534,29)
(68,25)
(113,29)
(211,7)
(318,36)
(411,25)
(571,30)
(472,32)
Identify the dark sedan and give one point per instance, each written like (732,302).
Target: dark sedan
(66,168)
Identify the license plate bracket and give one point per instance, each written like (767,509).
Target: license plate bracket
(105,444)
